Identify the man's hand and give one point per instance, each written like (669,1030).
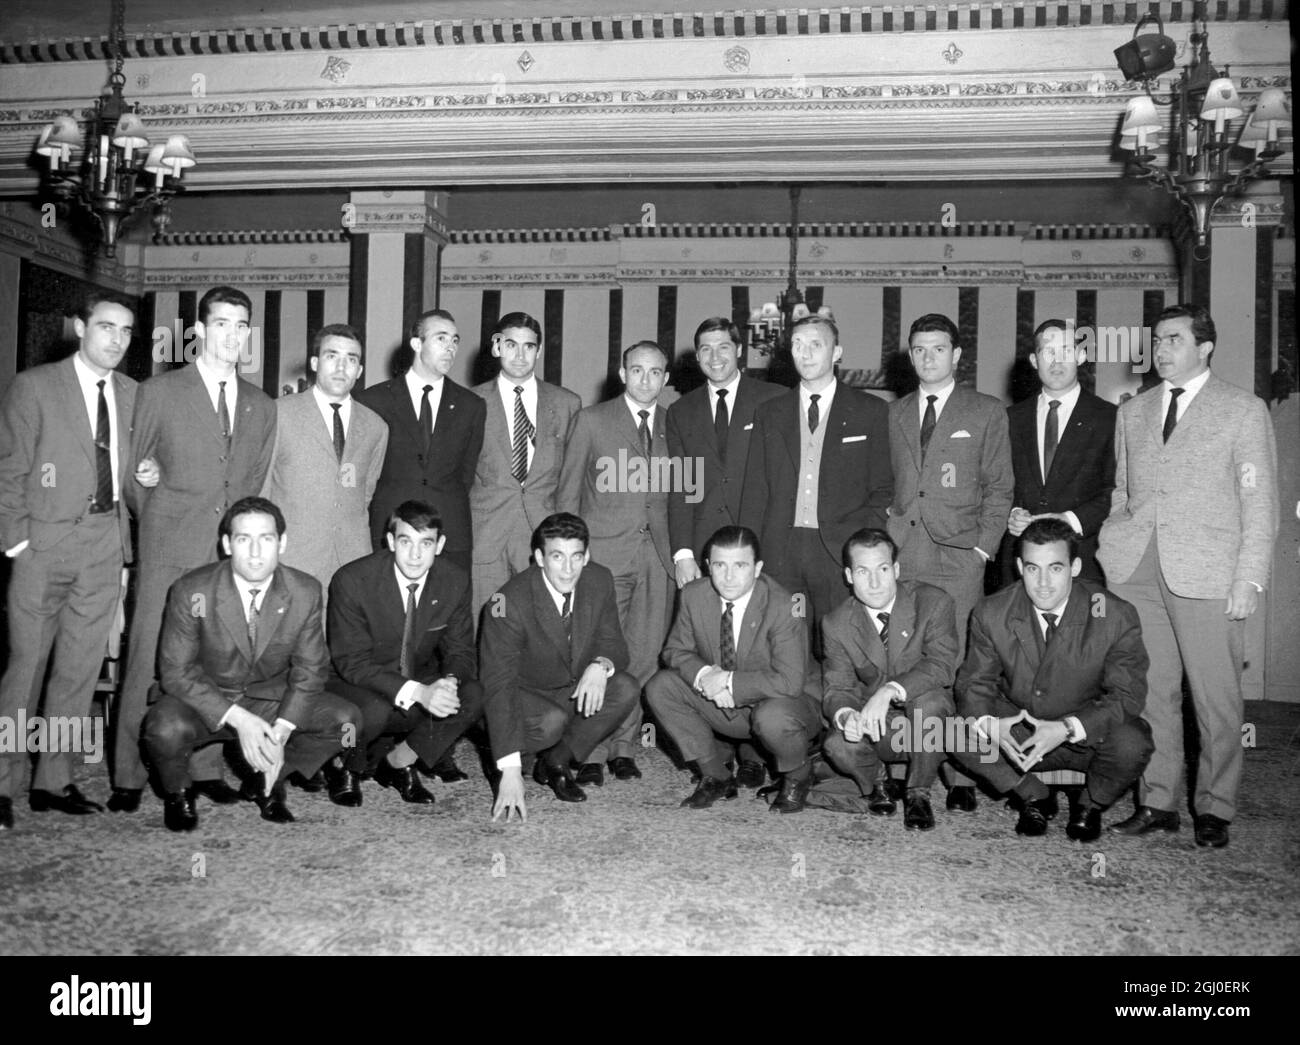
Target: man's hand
(713,687)
(147,473)
(257,740)
(1049,734)
(998,730)
(510,796)
(1019,519)
(1243,600)
(441,698)
(851,726)
(874,713)
(687,570)
(590,693)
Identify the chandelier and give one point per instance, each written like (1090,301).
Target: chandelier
(1200,171)
(118,170)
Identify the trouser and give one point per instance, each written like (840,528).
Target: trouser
(383,725)
(813,577)
(547,724)
(495,565)
(900,742)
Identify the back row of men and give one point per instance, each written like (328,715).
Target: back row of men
(1175,497)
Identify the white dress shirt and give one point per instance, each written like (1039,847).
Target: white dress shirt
(212,383)
(89,382)
(506,389)
(944,394)
(731,387)
(738,607)
(1190,389)
(636,409)
(406,695)
(245,590)
(327,411)
(415,389)
(872,616)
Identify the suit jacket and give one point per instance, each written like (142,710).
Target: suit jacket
(608,482)
(443,476)
(367,616)
(922,648)
(1095,668)
(496,501)
(201,477)
(1210,494)
(962,494)
(205,658)
(524,648)
(47,456)
(856,480)
(771,656)
(1083,467)
(696,515)
(325,501)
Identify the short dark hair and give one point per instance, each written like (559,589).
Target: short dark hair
(1202,325)
(562,526)
(227,296)
(816,319)
(934,322)
(251,506)
(335,330)
(94,298)
(1049,531)
(433,313)
(644,344)
(418,515)
(519,320)
(867,537)
(733,537)
(1063,325)
(722,323)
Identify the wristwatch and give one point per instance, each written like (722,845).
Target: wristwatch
(605,663)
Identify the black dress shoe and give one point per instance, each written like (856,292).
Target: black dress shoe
(751,774)
(70,800)
(273,806)
(880,801)
(343,784)
(1033,817)
(624,768)
(591,774)
(1085,824)
(311,784)
(217,791)
(709,791)
(792,796)
(559,780)
(124,799)
(1146,820)
(961,799)
(917,814)
(446,770)
(1211,831)
(178,811)
(6,814)
(895,789)
(406,782)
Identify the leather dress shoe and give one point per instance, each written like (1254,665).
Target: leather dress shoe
(1085,824)
(917,814)
(124,799)
(1146,820)
(1033,817)
(1211,831)
(709,791)
(751,774)
(273,806)
(560,780)
(792,795)
(69,800)
(217,791)
(6,814)
(624,768)
(880,801)
(311,784)
(406,782)
(961,799)
(591,774)
(895,789)
(343,784)
(178,811)
(446,770)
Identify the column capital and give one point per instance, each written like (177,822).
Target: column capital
(402,212)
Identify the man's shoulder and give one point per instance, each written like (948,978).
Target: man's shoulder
(449,577)
(771,408)
(1001,602)
(762,391)
(558,394)
(297,582)
(255,395)
(967,400)
(359,571)
(1230,397)
(775,595)
(1091,403)
(1026,409)
(926,597)
(596,577)
(381,393)
(1101,605)
(841,617)
(204,577)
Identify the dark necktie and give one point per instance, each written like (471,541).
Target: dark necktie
(884,630)
(1051,627)
(727,639)
(814,414)
(721,422)
(223,412)
(927,423)
(408,632)
(1051,435)
(523,433)
(426,418)
(1171,418)
(338,430)
(253,613)
(103,456)
(643,430)
(566,616)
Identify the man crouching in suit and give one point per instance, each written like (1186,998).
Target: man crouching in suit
(891,653)
(243,658)
(402,639)
(554,665)
(736,660)
(1055,678)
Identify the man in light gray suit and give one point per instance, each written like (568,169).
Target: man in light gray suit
(1189,542)
(329,451)
(524,438)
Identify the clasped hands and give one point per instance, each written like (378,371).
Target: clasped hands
(261,743)
(713,684)
(870,721)
(439,698)
(1048,735)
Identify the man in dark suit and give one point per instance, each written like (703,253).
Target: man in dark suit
(203,439)
(1055,678)
(736,661)
(402,641)
(891,654)
(818,470)
(554,665)
(65,451)
(435,434)
(616,478)
(1062,449)
(243,659)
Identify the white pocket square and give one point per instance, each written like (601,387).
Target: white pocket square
(853,439)
(963,434)
(749,426)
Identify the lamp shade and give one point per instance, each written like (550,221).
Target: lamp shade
(1253,135)
(59,137)
(1273,107)
(1140,115)
(1222,103)
(177,155)
(129,134)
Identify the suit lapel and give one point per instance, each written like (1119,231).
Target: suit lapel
(1073,616)
(949,421)
(544,422)
(549,616)
(124,396)
(1023,623)
(754,613)
(627,426)
(404,411)
(200,405)
(75,407)
(272,607)
(790,431)
(908,427)
(1075,434)
(1155,415)
(446,409)
(498,425)
(230,611)
(872,647)
(1022,424)
(902,621)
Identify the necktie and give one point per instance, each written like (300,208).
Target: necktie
(566,616)
(721,423)
(103,456)
(884,629)
(814,414)
(1051,627)
(408,632)
(223,413)
(253,612)
(338,430)
(426,418)
(523,433)
(927,423)
(727,639)
(1171,418)
(1051,435)
(643,429)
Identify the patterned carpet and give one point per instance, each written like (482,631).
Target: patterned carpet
(630,873)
